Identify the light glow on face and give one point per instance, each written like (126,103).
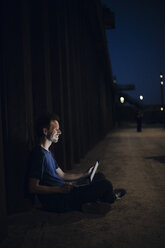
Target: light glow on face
(54,131)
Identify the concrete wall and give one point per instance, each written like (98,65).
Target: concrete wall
(54,58)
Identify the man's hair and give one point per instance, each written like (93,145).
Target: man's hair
(44,122)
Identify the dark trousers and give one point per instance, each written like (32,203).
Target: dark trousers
(99,190)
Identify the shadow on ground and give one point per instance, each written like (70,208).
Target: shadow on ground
(160,159)
(39,217)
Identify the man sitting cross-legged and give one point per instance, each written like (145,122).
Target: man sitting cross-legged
(54,187)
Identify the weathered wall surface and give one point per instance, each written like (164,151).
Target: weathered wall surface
(54,58)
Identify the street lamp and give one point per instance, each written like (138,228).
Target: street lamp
(141,97)
(161,75)
(161,89)
(122,99)
(161,109)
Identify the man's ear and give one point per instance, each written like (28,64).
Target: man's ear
(45,131)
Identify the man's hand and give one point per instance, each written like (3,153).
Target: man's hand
(88,172)
(67,187)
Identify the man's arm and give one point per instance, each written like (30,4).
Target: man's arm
(36,188)
(72,176)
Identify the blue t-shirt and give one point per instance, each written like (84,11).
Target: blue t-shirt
(43,167)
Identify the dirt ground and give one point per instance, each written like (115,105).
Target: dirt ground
(131,160)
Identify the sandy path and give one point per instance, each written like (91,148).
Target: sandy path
(134,161)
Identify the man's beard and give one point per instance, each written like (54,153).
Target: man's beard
(52,139)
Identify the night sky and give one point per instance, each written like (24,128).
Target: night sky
(136,46)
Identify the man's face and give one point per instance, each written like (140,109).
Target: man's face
(54,131)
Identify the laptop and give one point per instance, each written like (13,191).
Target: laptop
(87,180)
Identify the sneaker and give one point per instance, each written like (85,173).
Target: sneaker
(101,208)
(119,193)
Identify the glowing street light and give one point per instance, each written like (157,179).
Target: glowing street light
(161,75)
(122,99)
(161,89)
(141,97)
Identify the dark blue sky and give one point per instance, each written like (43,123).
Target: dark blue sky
(137,46)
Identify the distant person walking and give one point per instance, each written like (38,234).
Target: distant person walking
(139,117)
